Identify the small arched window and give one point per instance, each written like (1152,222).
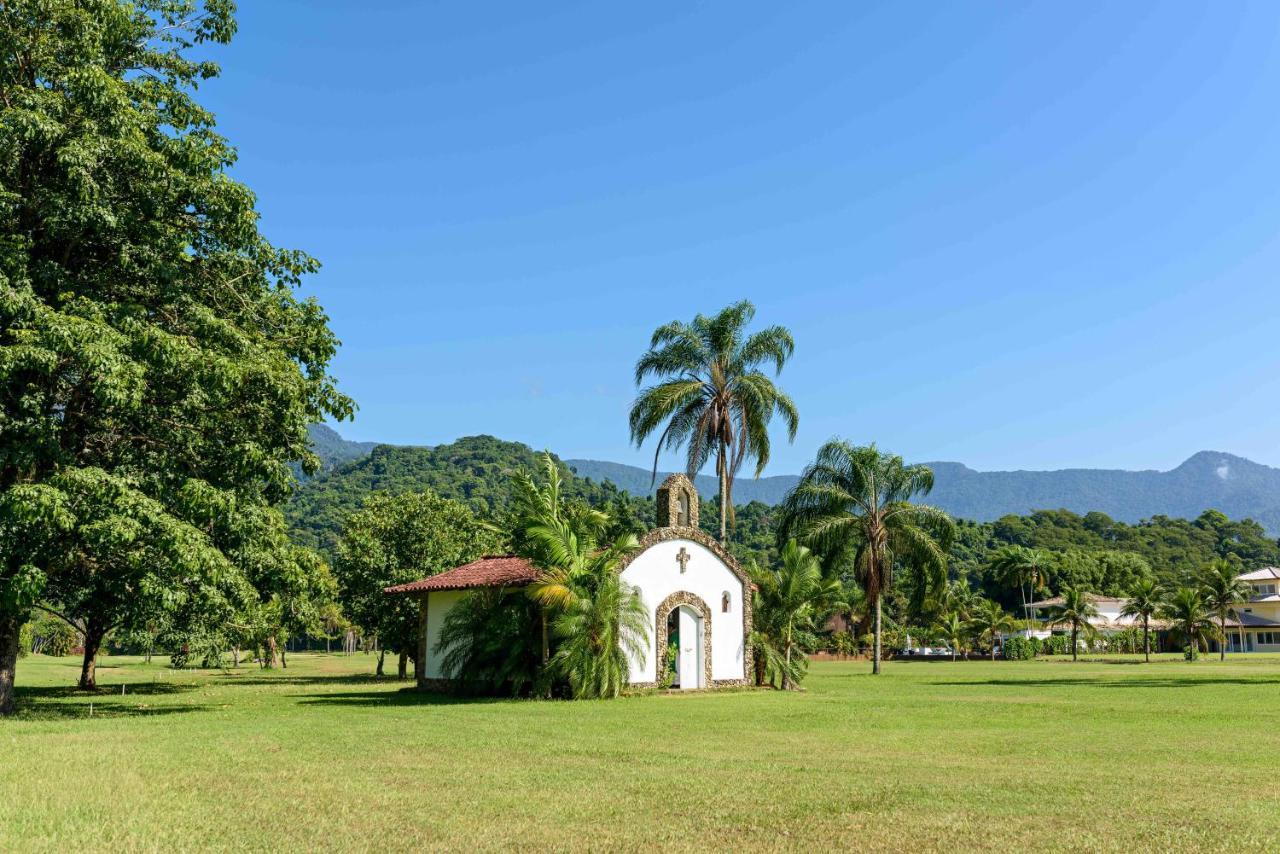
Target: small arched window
(682,514)
(725,602)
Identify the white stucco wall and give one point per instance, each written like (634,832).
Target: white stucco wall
(656,573)
(439,605)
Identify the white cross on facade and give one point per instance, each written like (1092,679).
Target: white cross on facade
(682,558)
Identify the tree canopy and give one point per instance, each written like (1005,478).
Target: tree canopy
(157,369)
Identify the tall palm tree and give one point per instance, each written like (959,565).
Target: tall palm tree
(1027,569)
(788,604)
(1189,617)
(1144,601)
(951,628)
(1222,589)
(712,395)
(1076,610)
(853,506)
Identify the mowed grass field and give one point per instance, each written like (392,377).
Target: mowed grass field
(997,756)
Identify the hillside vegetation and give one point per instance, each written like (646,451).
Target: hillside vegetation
(1091,548)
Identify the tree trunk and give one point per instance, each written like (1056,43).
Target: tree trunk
(875,655)
(1146,640)
(1074,649)
(402,668)
(724,498)
(235,656)
(1222,644)
(269,653)
(786,670)
(546,647)
(94,632)
(9,629)
(759,664)
(382,657)
(284,662)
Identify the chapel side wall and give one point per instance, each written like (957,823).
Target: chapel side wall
(439,604)
(656,573)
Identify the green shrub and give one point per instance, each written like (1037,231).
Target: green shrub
(52,636)
(1056,645)
(1021,649)
(844,643)
(1191,653)
(669,672)
(26,638)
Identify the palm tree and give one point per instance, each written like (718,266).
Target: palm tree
(1027,569)
(1222,589)
(556,536)
(787,606)
(853,506)
(1189,617)
(600,631)
(1076,610)
(952,629)
(990,622)
(712,395)
(1144,601)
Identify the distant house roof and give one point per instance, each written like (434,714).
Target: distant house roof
(1267,573)
(488,571)
(1092,597)
(1248,620)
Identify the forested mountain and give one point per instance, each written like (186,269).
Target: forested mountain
(334,450)
(475,470)
(1093,549)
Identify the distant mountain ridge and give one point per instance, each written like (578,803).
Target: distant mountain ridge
(1207,480)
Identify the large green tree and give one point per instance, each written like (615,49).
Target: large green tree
(157,371)
(394,539)
(853,506)
(712,396)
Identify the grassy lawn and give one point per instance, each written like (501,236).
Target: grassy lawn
(974,755)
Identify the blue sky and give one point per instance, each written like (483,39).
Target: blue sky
(1012,235)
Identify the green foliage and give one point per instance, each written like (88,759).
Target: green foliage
(712,396)
(1055,645)
(787,607)
(844,643)
(157,370)
(26,638)
(1191,653)
(1018,648)
(52,636)
(477,471)
(604,626)
(988,623)
(489,643)
(668,677)
(1189,618)
(394,539)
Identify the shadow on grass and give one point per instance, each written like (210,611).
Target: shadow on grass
(278,677)
(60,703)
(1124,682)
(403,697)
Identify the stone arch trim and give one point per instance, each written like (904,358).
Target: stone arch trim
(702,538)
(675,600)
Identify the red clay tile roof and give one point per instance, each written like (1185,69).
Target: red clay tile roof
(488,571)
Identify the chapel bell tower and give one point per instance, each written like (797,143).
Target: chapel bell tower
(677,503)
